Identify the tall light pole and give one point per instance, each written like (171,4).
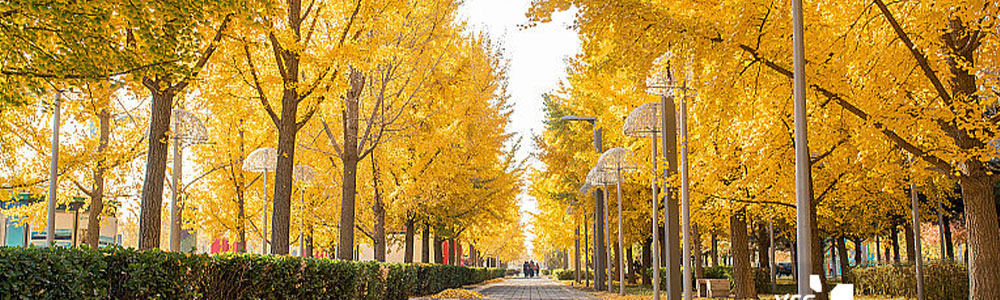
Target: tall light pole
(262,160)
(187,130)
(661,82)
(302,174)
(919,259)
(50,229)
(803,177)
(599,254)
(645,120)
(614,161)
(598,177)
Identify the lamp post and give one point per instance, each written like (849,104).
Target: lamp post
(50,228)
(661,82)
(597,176)
(187,130)
(615,161)
(599,254)
(303,174)
(262,160)
(802,172)
(645,120)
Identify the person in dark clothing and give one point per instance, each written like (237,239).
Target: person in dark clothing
(526,270)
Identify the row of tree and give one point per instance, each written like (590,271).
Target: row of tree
(399,108)
(899,93)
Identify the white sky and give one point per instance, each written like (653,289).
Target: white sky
(537,65)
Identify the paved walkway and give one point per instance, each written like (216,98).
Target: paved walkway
(532,289)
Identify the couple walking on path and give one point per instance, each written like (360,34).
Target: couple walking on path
(530,269)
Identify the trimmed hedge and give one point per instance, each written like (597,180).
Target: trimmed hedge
(118,273)
(566,274)
(941,281)
(761,277)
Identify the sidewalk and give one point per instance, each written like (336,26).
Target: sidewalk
(532,289)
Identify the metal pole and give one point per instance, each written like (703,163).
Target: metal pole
(175,222)
(586,253)
(802,172)
(263,231)
(621,258)
(302,221)
(50,230)
(607,239)
(576,254)
(770,255)
(685,204)
(656,226)
(944,255)
(916,241)
(600,253)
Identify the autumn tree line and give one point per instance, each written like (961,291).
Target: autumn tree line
(900,93)
(399,108)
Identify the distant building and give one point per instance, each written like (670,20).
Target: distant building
(71,225)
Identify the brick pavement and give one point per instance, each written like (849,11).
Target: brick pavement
(532,289)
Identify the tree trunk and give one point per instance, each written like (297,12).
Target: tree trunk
(378,209)
(894,235)
(241,228)
(309,243)
(156,163)
(740,248)
(763,246)
(878,248)
(699,268)
(981,221)
(425,242)
(97,191)
(795,261)
(647,262)
(408,252)
(817,251)
(845,267)
(472,256)
(910,246)
(858,251)
(948,246)
(453,252)
(663,249)
(715,250)
(631,265)
(350,160)
(438,251)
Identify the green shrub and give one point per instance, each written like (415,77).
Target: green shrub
(567,274)
(719,272)
(118,273)
(941,281)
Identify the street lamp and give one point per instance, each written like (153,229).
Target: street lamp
(599,253)
(802,171)
(262,160)
(617,160)
(661,82)
(187,129)
(642,121)
(597,176)
(586,250)
(303,174)
(50,229)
